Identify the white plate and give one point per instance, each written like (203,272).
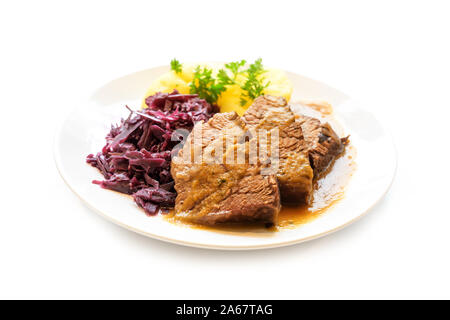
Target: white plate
(84,130)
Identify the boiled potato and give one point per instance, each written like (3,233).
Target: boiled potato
(230,100)
(279,84)
(166,83)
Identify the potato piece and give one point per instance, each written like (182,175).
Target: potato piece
(279,84)
(166,83)
(230,100)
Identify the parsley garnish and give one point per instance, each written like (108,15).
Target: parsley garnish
(205,85)
(209,88)
(234,67)
(254,86)
(224,78)
(176,66)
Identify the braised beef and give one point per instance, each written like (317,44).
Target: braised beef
(295,176)
(216,191)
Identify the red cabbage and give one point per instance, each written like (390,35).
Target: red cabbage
(136,157)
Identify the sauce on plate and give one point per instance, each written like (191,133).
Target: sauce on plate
(328,190)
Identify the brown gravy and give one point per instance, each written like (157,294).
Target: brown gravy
(328,190)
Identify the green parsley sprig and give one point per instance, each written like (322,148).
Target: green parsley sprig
(254,85)
(235,67)
(205,85)
(176,66)
(209,88)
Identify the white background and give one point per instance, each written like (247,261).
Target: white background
(394,54)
